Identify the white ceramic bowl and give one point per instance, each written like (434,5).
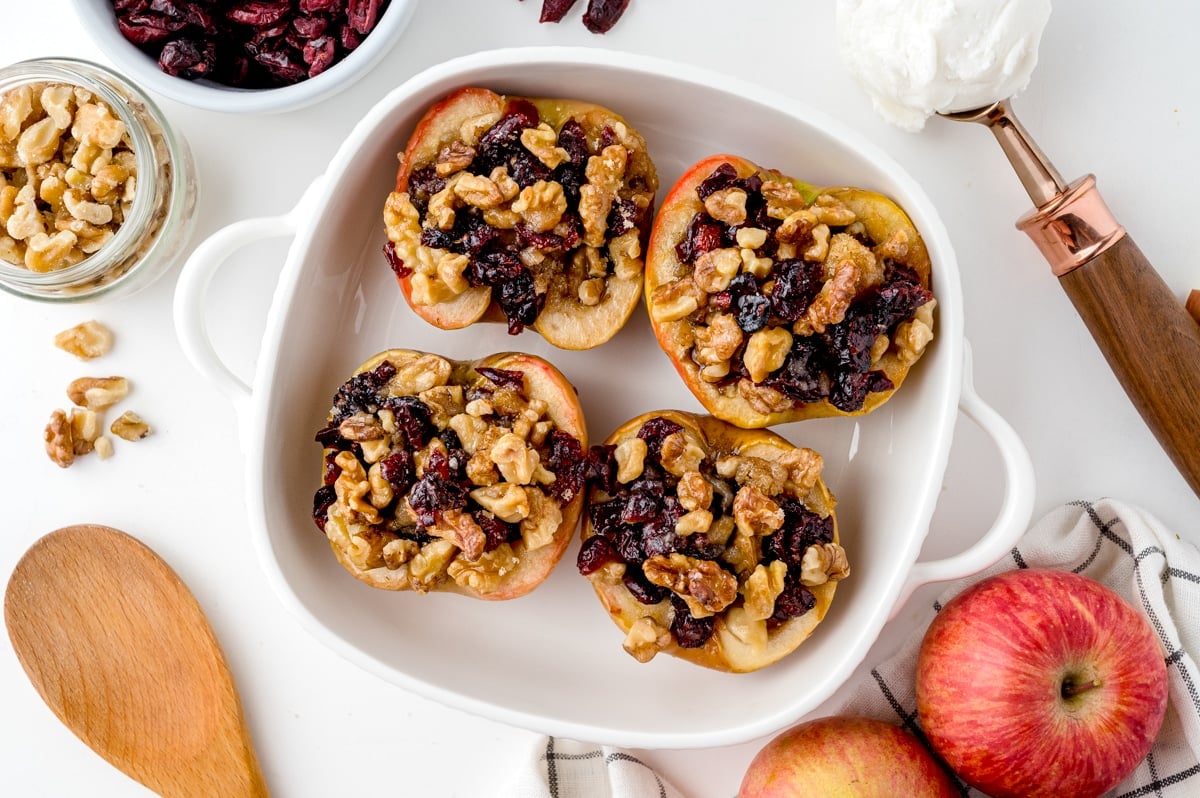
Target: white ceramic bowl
(552,661)
(100,22)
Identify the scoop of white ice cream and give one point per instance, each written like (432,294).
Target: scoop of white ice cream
(918,57)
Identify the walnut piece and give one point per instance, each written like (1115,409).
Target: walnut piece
(630,455)
(762,587)
(754,513)
(645,638)
(130,426)
(97,393)
(460,529)
(58,436)
(823,562)
(86,340)
(704,585)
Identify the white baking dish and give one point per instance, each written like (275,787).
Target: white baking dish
(552,661)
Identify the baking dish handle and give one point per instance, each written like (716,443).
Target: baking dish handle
(191,292)
(1015,510)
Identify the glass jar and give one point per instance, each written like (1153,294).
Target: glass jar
(161,213)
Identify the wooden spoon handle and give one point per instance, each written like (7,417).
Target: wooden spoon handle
(1151,343)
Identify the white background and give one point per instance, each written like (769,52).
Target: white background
(1117,93)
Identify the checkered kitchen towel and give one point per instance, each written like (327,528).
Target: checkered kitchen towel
(1115,543)
(1129,550)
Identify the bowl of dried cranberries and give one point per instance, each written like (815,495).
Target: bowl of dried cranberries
(247,56)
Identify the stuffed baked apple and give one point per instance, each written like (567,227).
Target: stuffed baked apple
(712,543)
(777,301)
(455,476)
(534,211)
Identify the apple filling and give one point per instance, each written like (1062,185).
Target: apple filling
(439,473)
(707,542)
(537,207)
(777,296)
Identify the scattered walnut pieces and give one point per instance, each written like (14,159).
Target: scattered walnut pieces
(87,340)
(78,431)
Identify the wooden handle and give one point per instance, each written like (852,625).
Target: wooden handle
(1151,343)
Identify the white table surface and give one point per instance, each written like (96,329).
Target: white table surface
(1117,93)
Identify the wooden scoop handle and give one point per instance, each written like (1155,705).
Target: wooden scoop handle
(1151,343)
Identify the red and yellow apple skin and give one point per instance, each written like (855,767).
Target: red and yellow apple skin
(846,757)
(1041,683)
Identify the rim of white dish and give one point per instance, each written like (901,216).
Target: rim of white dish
(101,24)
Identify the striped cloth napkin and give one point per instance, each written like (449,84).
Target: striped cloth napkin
(1115,543)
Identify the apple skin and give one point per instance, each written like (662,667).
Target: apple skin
(990,685)
(846,757)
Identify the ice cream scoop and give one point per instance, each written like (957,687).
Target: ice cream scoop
(916,59)
(1148,337)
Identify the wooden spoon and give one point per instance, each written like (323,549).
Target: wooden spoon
(117,646)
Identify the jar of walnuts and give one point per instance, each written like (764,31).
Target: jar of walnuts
(97,192)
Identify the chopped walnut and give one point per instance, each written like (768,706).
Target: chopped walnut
(352,488)
(767,476)
(752,264)
(914,335)
(87,340)
(704,585)
(444,402)
(719,340)
(450,268)
(591,292)
(755,513)
(486,573)
(762,587)
(630,455)
(428,565)
(720,531)
(544,519)
(506,501)
(454,158)
(542,143)
(783,198)
(103,447)
(675,300)
(763,398)
(541,205)
(399,551)
(681,452)
(727,205)
(693,522)
(796,227)
(750,237)
(361,427)
(460,529)
(59,440)
(85,429)
(477,191)
(714,269)
(129,426)
(694,490)
(832,301)
(470,130)
(743,553)
(625,251)
(381,493)
(832,211)
(766,351)
(823,562)
(604,173)
(516,461)
(803,468)
(645,638)
(419,374)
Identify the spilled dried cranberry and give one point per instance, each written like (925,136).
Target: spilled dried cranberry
(250,44)
(599,17)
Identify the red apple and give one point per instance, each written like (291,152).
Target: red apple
(846,756)
(1041,683)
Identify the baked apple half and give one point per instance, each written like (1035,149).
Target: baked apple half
(531,211)
(710,542)
(778,301)
(449,475)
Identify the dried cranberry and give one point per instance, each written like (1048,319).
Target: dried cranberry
(319,54)
(394,261)
(400,471)
(413,418)
(801,528)
(641,588)
(606,517)
(568,463)
(525,169)
(349,37)
(653,431)
(503,378)
(332,470)
(794,601)
(323,499)
(640,507)
(310,27)
(623,217)
(797,283)
(528,237)
(703,235)
(555,10)
(494,268)
(362,14)
(802,376)
(319,6)
(724,176)
(849,389)
(258,14)
(595,553)
(431,494)
(519,302)
(423,184)
(186,58)
(497,531)
(601,467)
(145,30)
(753,312)
(361,392)
(689,632)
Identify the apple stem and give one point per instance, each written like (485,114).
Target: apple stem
(1070,688)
